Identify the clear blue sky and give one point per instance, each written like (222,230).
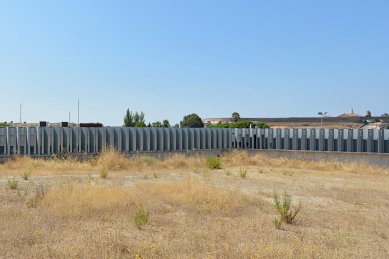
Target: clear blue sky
(171,58)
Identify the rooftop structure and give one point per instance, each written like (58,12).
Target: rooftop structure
(349,114)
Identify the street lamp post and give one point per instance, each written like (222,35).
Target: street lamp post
(322,114)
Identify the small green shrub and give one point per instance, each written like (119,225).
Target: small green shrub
(13,183)
(103,172)
(288,173)
(206,174)
(25,174)
(214,162)
(141,217)
(277,223)
(89,179)
(243,172)
(283,207)
(148,161)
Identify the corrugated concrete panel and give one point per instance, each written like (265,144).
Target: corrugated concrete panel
(191,139)
(166,139)
(208,138)
(139,139)
(154,139)
(146,139)
(178,139)
(160,139)
(197,138)
(12,141)
(132,139)
(32,141)
(184,137)
(48,140)
(203,139)
(22,141)
(331,140)
(278,139)
(3,142)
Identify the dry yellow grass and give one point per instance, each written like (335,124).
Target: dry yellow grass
(200,196)
(91,200)
(85,201)
(345,211)
(115,161)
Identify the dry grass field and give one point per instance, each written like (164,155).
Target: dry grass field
(180,208)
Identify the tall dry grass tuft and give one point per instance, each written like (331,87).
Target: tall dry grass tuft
(237,158)
(141,163)
(113,160)
(179,162)
(18,163)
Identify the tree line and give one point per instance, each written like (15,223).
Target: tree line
(137,119)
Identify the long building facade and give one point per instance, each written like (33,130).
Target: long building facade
(47,141)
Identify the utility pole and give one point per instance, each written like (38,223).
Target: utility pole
(321,118)
(69,118)
(20,114)
(78,109)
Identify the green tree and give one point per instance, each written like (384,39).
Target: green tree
(128,119)
(262,125)
(165,124)
(192,121)
(235,116)
(156,124)
(139,119)
(134,119)
(243,124)
(239,124)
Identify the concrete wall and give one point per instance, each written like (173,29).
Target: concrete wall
(58,141)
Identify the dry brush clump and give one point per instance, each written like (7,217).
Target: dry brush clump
(213,162)
(141,217)
(112,160)
(284,209)
(12,183)
(25,174)
(103,171)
